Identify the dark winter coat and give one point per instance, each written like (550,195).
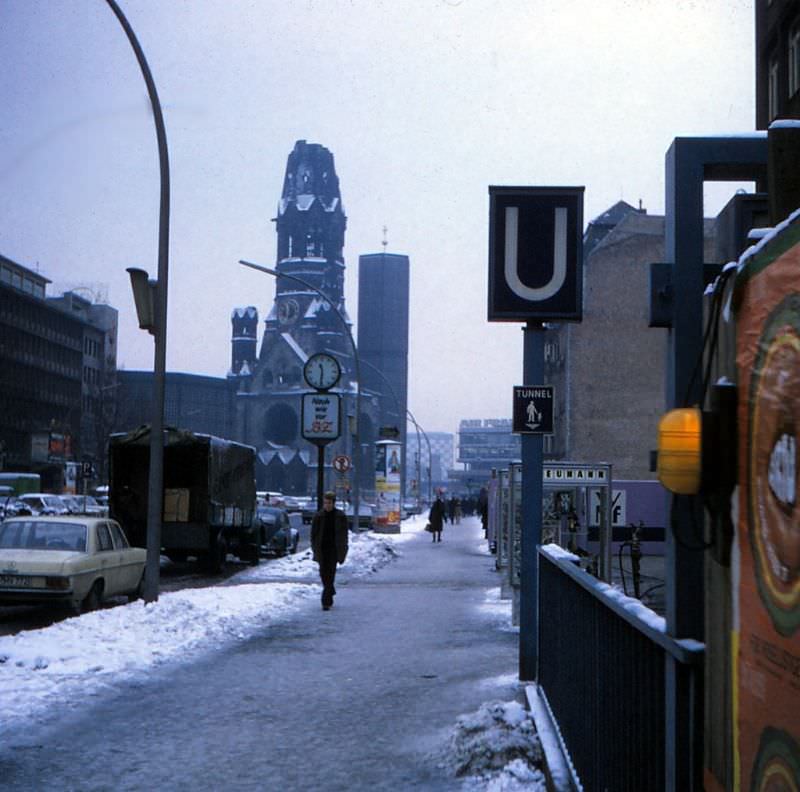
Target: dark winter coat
(340,529)
(436,515)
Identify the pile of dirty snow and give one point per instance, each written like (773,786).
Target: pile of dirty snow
(495,748)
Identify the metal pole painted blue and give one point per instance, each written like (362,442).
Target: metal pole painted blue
(532,374)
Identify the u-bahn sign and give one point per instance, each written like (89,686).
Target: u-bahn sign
(535,254)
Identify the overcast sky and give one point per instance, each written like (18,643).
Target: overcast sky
(423,104)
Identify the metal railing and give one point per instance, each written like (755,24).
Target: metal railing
(602,671)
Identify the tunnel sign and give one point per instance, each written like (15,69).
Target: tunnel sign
(533,409)
(535,254)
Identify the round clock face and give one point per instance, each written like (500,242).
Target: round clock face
(288,311)
(322,371)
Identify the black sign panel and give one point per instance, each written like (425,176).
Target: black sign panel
(535,254)
(533,409)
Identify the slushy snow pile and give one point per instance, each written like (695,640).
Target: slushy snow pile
(495,748)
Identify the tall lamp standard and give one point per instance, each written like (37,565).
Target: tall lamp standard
(151,298)
(357,446)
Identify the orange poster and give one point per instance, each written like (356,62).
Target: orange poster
(767,624)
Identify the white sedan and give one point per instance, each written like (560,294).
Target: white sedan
(77,561)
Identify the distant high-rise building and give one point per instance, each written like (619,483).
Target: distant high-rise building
(383,291)
(58,358)
(442,448)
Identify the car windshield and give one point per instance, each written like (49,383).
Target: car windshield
(33,534)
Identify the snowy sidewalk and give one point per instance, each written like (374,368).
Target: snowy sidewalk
(273,693)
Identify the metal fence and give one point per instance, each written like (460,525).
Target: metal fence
(603,673)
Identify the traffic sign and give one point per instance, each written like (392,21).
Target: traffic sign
(535,253)
(341,463)
(533,409)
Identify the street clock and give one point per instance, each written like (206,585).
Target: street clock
(322,371)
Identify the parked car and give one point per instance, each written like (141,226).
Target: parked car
(14,507)
(75,561)
(278,536)
(364,514)
(308,509)
(84,504)
(45,503)
(292,503)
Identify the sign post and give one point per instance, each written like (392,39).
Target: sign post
(535,276)
(321,418)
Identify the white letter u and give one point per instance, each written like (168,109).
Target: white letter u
(559,257)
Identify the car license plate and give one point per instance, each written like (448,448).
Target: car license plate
(20,581)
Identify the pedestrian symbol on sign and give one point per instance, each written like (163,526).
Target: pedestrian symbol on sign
(534,415)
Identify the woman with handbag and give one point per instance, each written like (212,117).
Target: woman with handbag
(436,518)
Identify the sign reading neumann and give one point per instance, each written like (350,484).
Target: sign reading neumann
(535,253)
(575,474)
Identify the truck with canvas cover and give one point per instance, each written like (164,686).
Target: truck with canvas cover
(209,494)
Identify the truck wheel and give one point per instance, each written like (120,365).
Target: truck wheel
(255,554)
(217,555)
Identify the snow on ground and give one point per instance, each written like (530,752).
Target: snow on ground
(73,660)
(495,748)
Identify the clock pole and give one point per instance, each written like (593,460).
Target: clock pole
(320,475)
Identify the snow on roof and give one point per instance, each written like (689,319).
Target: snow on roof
(772,234)
(295,347)
(305,201)
(251,312)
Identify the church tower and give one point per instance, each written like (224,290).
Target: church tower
(310,226)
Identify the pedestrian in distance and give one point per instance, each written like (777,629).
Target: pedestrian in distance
(483,509)
(329,544)
(436,518)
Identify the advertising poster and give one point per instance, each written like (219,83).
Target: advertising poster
(388,465)
(766,643)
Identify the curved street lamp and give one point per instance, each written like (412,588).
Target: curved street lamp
(156,324)
(276,274)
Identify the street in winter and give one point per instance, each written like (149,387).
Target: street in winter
(409,682)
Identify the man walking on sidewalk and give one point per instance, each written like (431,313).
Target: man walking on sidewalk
(329,544)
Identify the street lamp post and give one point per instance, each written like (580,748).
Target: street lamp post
(159,330)
(357,462)
(430,457)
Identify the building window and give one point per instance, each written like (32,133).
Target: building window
(794,60)
(773,98)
